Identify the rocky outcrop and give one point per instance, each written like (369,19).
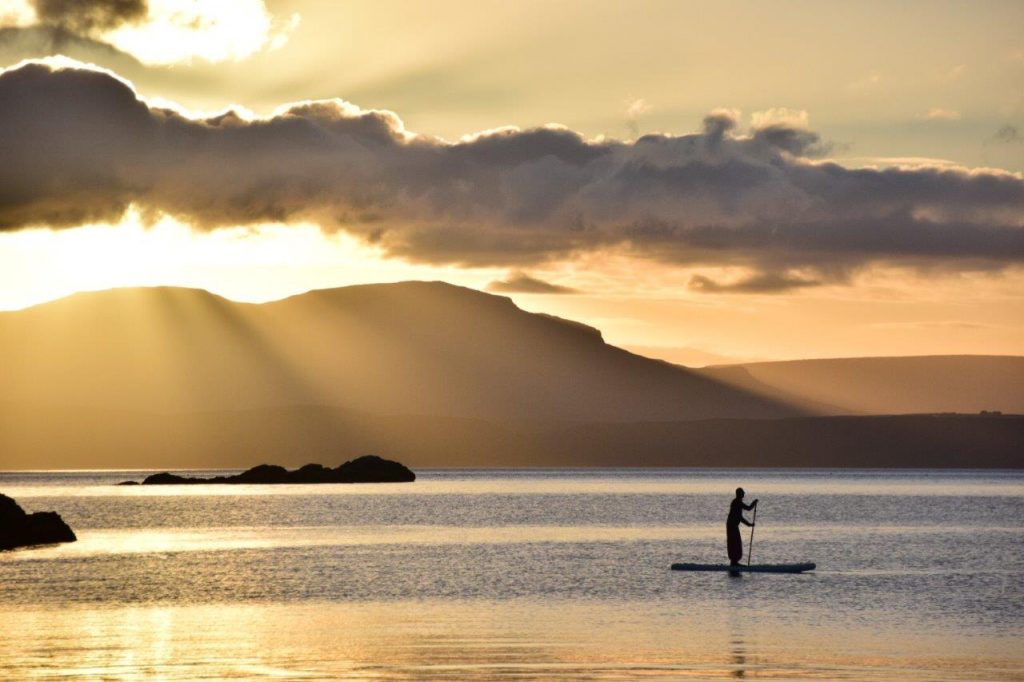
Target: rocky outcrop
(19,529)
(366,469)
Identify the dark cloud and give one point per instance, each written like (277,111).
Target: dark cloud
(34,42)
(84,16)
(761,283)
(796,141)
(79,145)
(1008,133)
(521,283)
(40,42)
(71,28)
(719,123)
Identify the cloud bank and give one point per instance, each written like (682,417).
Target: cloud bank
(762,283)
(521,283)
(80,146)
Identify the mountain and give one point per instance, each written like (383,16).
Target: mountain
(414,348)
(435,375)
(881,385)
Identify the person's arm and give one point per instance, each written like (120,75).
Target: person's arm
(745,522)
(750,506)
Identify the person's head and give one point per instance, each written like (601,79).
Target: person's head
(739,493)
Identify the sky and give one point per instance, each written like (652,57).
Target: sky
(705,183)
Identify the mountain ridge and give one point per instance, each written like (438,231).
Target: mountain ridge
(428,373)
(886,384)
(405,348)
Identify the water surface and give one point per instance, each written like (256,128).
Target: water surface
(520,574)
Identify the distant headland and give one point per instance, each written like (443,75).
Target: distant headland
(365,469)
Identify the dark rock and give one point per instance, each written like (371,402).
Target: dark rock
(10,512)
(166,479)
(128,483)
(365,469)
(18,529)
(263,473)
(312,473)
(373,469)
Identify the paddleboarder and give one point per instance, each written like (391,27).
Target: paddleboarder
(732,526)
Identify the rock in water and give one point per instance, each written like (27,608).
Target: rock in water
(263,473)
(373,469)
(18,529)
(365,469)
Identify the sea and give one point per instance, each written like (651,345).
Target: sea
(520,575)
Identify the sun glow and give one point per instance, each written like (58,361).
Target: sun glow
(257,263)
(16,13)
(180,30)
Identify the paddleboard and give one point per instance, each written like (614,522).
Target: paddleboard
(756,568)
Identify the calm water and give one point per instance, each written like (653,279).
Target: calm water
(520,575)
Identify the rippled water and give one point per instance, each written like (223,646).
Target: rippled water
(529,575)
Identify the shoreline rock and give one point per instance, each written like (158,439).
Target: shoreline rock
(21,529)
(365,469)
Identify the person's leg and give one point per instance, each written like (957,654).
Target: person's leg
(735,545)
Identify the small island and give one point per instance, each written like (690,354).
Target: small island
(21,529)
(365,469)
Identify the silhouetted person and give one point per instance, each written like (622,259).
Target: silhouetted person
(732,526)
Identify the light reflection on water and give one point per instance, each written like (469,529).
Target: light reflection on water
(105,542)
(491,575)
(475,640)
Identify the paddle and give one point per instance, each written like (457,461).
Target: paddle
(750,549)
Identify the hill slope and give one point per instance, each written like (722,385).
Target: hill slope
(897,385)
(436,375)
(415,348)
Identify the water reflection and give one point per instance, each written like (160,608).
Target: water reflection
(106,542)
(442,641)
(739,658)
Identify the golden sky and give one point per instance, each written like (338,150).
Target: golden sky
(707,183)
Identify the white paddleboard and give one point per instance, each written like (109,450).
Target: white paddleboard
(755,568)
